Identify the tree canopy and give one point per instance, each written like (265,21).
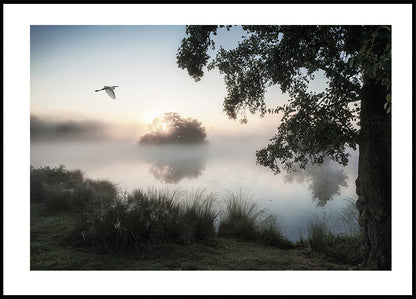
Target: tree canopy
(173,128)
(313,124)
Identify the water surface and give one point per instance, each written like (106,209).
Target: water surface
(218,167)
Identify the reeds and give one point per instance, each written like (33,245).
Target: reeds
(149,218)
(343,247)
(242,219)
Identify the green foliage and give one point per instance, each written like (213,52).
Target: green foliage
(193,55)
(172,128)
(374,58)
(313,124)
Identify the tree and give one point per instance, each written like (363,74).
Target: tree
(173,128)
(353,109)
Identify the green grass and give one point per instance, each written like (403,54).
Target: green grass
(53,248)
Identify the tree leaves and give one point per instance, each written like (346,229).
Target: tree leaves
(375,58)
(313,125)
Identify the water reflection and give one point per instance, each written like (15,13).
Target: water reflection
(325,181)
(216,167)
(171,164)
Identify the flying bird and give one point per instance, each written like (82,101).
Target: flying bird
(109,90)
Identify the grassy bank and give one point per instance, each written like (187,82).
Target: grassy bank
(79,223)
(53,248)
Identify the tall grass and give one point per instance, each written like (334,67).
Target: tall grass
(319,232)
(149,218)
(112,221)
(348,218)
(242,219)
(199,216)
(343,247)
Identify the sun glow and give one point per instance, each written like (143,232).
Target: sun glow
(158,124)
(163,126)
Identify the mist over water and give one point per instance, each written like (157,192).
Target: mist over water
(226,163)
(216,167)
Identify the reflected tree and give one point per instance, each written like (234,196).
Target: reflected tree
(325,181)
(174,163)
(173,171)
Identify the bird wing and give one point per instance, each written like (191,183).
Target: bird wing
(111,93)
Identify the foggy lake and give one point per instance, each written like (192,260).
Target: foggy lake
(217,167)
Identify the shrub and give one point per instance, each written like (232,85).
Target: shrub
(93,195)
(64,190)
(57,197)
(54,178)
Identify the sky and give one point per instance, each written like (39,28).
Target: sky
(67,63)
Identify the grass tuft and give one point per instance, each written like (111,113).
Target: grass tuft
(342,247)
(243,220)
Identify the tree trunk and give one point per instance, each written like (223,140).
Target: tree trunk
(374,178)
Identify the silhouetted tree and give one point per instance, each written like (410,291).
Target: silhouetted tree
(173,128)
(353,109)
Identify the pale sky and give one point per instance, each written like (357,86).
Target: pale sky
(69,62)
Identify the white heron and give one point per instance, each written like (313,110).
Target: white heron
(109,90)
